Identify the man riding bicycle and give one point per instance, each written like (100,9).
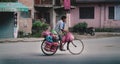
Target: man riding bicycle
(51,42)
(59,28)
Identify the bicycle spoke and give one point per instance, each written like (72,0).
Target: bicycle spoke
(76,47)
(73,44)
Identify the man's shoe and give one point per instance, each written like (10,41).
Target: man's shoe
(62,50)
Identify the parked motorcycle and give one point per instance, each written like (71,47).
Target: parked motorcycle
(89,30)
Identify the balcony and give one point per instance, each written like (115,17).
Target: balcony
(43,3)
(51,3)
(60,4)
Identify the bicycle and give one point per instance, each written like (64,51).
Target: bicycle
(74,46)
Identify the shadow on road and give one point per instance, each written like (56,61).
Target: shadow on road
(65,60)
(43,55)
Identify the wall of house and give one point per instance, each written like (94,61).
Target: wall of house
(25,24)
(91,22)
(111,22)
(100,17)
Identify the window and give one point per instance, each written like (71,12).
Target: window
(117,12)
(86,12)
(111,12)
(26,14)
(57,2)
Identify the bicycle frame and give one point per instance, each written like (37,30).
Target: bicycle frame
(68,41)
(60,41)
(68,37)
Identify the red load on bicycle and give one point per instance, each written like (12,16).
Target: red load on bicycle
(51,40)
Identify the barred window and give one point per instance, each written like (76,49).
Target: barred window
(26,14)
(111,12)
(86,12)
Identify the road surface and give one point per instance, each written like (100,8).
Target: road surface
(97,51)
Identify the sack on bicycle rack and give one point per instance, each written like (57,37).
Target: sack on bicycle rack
(68,37)
(45,33)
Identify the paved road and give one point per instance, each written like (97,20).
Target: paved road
(97,51)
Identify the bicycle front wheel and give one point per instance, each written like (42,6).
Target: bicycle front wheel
(75,47)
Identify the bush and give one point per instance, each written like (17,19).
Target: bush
(107,29)
(22,34)
(80,27)
(38,27)
(104,30)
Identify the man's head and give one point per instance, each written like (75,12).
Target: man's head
(64,18)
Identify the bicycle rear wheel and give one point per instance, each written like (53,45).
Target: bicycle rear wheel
(45,51)
(75,47)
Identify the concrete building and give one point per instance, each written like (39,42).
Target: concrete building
(16,16)
(51,10)
(96,13)
(26,18)
(9,18)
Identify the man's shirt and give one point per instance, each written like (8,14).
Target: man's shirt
(60,25)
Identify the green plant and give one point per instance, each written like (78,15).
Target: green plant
(38,27)
(22,34)
(80,27)
(107,29)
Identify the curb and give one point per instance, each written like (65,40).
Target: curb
(98,35)
(12,40)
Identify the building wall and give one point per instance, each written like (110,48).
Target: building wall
(25,24)
(100,17)
(91,22)
(111,22)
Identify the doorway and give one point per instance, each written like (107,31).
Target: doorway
(6,25)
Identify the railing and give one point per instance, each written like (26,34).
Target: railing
(50,2)
(43,2)
(61,2)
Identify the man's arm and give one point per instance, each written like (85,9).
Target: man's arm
(62,27)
